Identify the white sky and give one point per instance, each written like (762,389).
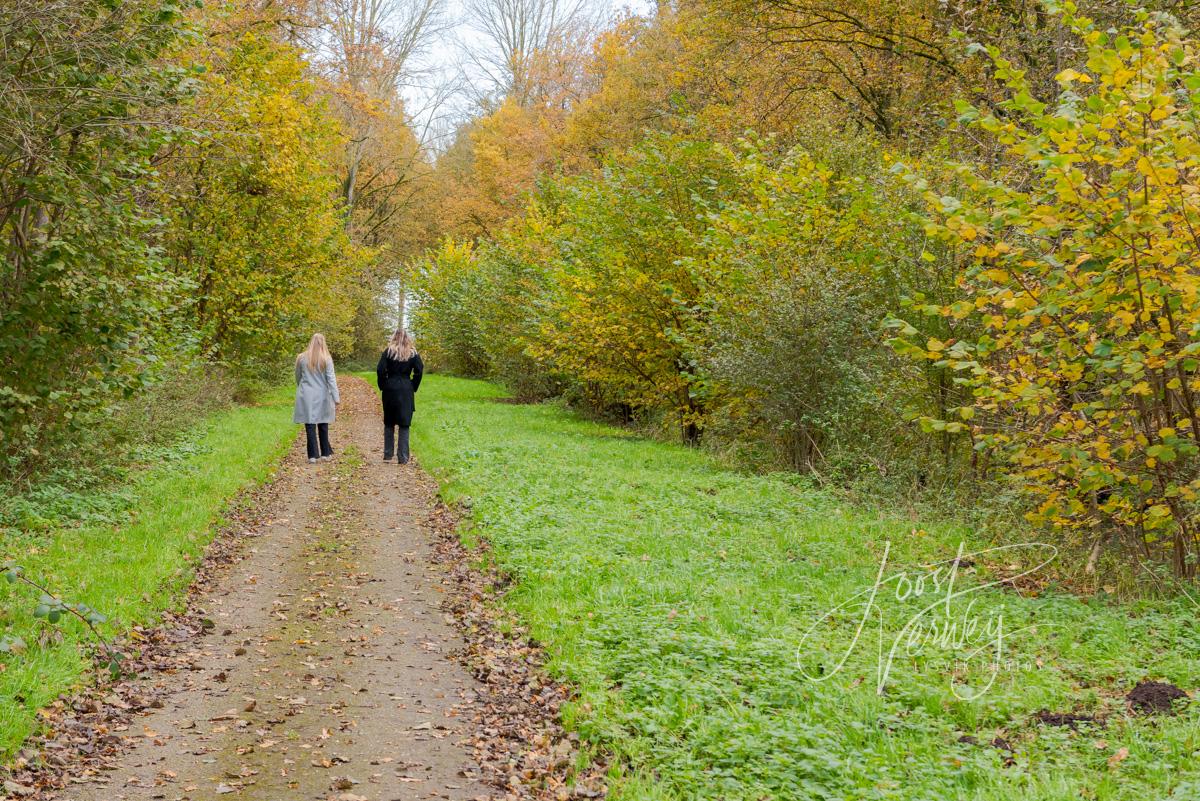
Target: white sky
(440,66)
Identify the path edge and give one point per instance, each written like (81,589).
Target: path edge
(80,731)
(531,755)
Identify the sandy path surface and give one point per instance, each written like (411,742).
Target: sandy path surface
(329,673)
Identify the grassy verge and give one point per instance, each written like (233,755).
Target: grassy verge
(133,571)
(677,595)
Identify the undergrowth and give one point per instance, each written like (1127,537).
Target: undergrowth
(704,613)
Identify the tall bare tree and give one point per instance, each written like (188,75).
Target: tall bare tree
(366,48)
(514,33)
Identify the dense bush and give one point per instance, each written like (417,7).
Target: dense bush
(812,262)
(446,285)
(1078,262)
(85,297)
(628,307)
(734,290)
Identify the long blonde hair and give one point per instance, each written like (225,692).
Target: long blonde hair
(316,355)
(400,347)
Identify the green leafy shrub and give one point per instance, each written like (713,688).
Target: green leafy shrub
(700,288)
(1077,262)
(86,299)
(812,262)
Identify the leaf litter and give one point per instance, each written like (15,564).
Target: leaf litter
(514,730)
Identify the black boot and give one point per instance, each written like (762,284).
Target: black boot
(388,447)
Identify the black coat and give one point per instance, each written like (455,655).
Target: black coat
(398,381)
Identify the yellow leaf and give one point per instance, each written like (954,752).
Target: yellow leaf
(1068,75)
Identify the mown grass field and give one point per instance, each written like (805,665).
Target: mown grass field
(676,595)
(133,571)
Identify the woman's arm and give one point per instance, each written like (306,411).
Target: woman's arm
(299,372)
(331,380)
(381,372)
(418,371)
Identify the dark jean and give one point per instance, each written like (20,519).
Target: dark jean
(317,435)
(401,443)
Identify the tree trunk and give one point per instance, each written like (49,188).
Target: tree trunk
(402,298)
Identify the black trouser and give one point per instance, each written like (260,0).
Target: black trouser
(314,432)
(401,444)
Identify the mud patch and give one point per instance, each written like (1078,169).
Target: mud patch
(1155,698)
(999,743)
(1071,720)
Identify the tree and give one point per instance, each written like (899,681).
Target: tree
(517,35)
(257,227)
(629,303)
(366,50)
(86,300)
(1081,268)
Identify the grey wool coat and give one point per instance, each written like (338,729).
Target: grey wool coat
(316,394)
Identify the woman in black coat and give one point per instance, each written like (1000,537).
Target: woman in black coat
(399,376)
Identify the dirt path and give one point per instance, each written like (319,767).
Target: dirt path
(330,672)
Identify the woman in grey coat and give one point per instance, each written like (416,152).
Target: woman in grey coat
(317,397)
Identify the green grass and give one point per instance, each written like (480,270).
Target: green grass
(675,594)
(133,571)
